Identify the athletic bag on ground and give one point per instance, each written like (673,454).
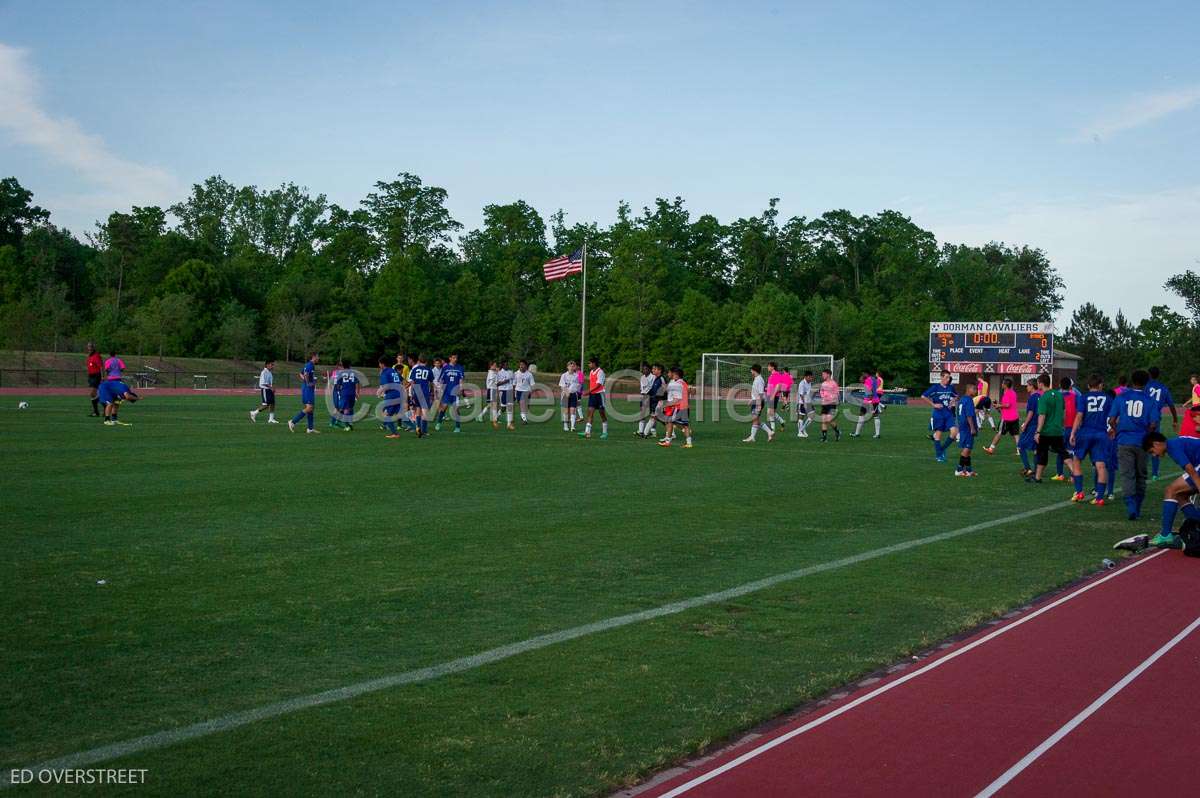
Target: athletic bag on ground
(1189,533)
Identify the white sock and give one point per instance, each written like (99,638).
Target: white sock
(689,437)
(859,424)
(753,431)
(604,427)
(270,417)
(587,428)
(509,416)
(524,417)
(877,420)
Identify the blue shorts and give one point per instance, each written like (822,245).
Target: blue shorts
(347,405)
(1092,444)
(965,440)
(419,400)
(941,421)
(393,403)
(521,396)
(308,395)
(450,397)
(596,401)
(111,391)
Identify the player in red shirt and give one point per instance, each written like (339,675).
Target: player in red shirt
(95,369)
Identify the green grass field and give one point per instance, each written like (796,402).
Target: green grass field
(245,565)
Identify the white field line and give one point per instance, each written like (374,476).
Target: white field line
(168,737)
(1090,710)
(783,738)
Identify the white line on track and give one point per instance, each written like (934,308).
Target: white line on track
(1090,710)
(783,738)
(234,720)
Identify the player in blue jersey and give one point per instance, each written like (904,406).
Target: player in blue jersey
(1133,415)
(110,394)
(391,390)
(1161,394)
(1089,438)
(308,393)
(1027,440)
(452,377)
(335,390)
(348,380)
(943,398)
(968,427)
(1185,451)
(420,394)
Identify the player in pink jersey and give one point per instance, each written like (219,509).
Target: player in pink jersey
(872,403)
(775,384)
(829,394)
(1010,416)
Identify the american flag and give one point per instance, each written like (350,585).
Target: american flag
(563,265)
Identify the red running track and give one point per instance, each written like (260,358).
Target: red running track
(1090,693)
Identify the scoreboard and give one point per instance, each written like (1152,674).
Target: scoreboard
(991,347)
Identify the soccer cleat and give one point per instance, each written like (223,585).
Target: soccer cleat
(437,427)
(510,427)
(990,449)
(272,421)
(458,429)
(314,432)
(1135,544)
(348,427)
(837,434)
(392,435)
(603,436)
(875,437)
(110,423)
(253,416)
(1058,478)
(291,425)
(1154,477)
(941,458)
(1078,498)
(970,473)
(854,435)
(1161,541)
(688,446)
(1033,480)
(495,425)
(747,440)
(666,444)
(419,433)
(1097,502)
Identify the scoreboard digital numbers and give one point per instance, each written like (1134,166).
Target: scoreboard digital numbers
(991,347)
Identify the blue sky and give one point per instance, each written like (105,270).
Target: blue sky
(1068,126)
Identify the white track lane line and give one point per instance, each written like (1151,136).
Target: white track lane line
(842,710)
(1091,709)
(168,737)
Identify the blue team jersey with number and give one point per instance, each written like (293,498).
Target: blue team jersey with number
(966,415)
(1160,393)
(1094,409)
(1184,450)
(452,376)
(1136,413)
(420,376)
(941,395)
(348,384)
(308,374)
(389,380)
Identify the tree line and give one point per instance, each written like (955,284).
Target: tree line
(243,272)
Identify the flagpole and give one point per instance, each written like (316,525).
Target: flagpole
(583,314)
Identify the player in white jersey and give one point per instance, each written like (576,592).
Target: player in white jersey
(758,401)
(804,414)
(674,411)
(266,393)
(523,386)
(492,396)
(437,380)
(568,386)
(645,389)
(504,385)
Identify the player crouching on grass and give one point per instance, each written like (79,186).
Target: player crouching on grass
(758,395)
(111,394)
(1177,497)
(266,390)
(968,427)
(675,410)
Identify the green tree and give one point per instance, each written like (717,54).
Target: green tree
(18,215)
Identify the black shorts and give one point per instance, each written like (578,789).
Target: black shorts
(1047,444)
(572,400)
(828,410)
(984,403)
(267,395)
(775,400)
(596,401)
(1012,427)
(93,380)
(868,407)
(756,407)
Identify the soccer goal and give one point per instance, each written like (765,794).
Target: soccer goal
(725,376)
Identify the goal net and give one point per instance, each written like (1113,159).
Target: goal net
(725,378)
